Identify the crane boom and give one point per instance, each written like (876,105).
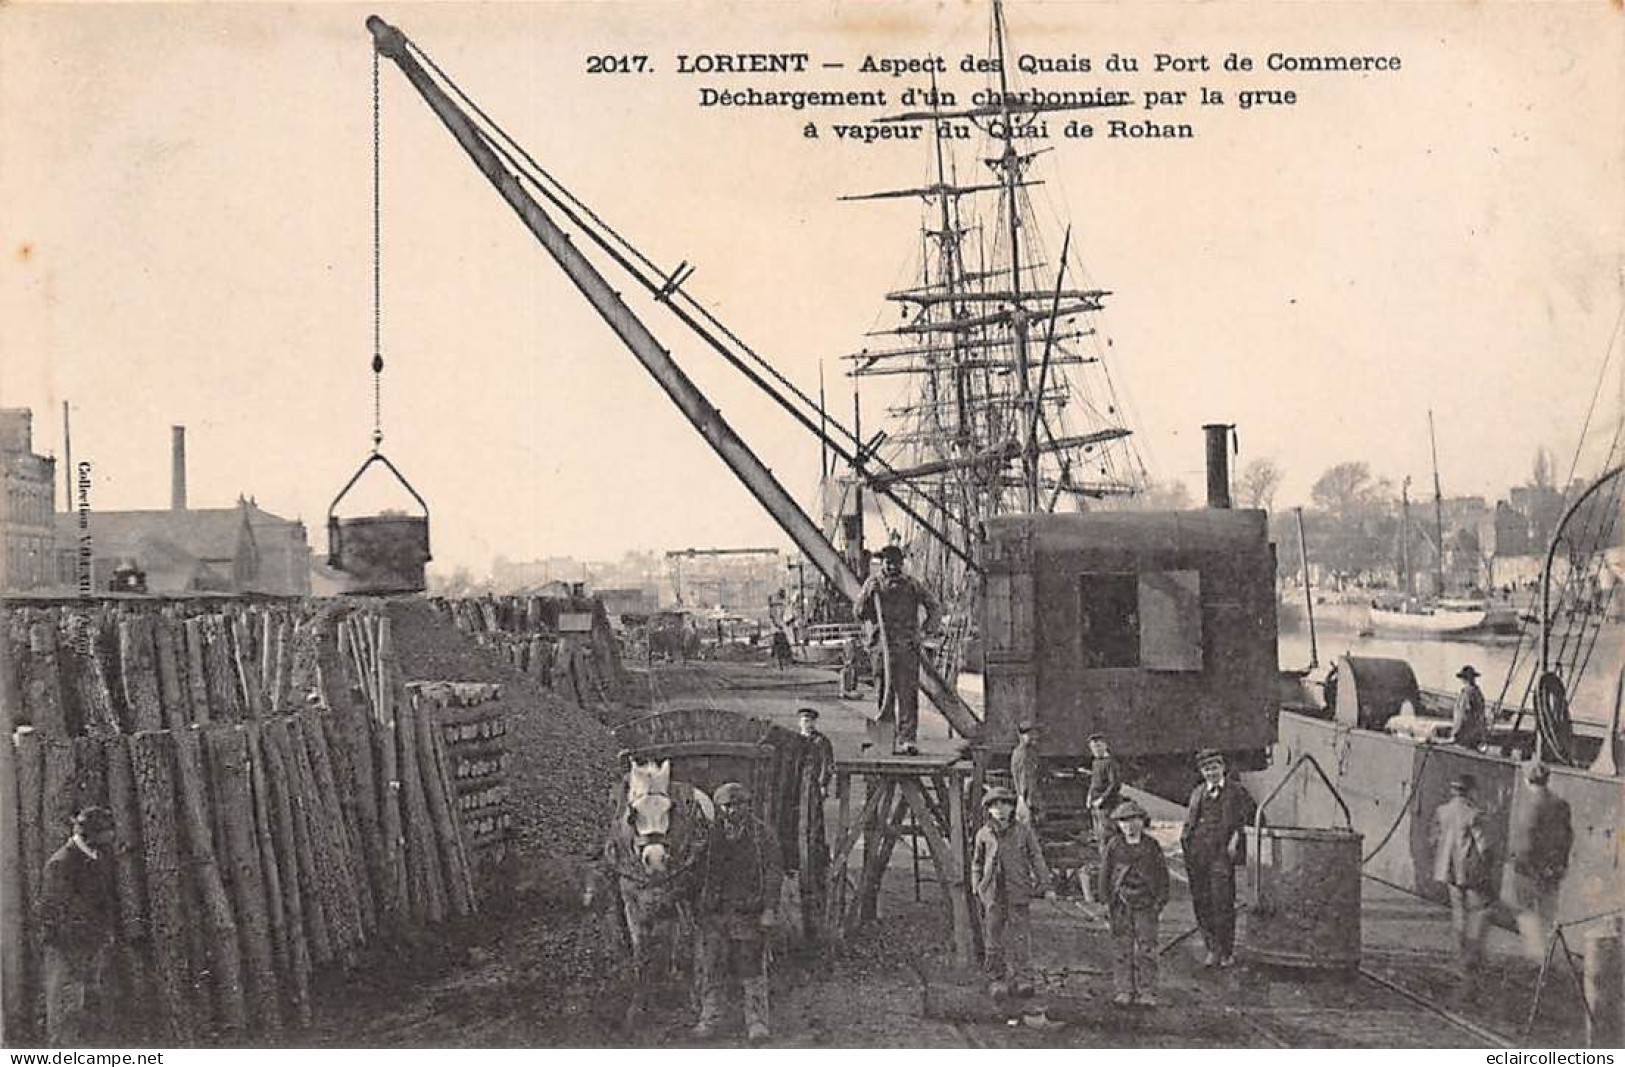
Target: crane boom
(750,470)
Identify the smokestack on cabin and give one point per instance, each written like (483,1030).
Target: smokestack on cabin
(1218,464)
(177,469)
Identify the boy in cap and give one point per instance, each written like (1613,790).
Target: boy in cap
(1542,834)
(1214,842)
(1133,882)
(1105,788)
(1469,728)
(78,916)
(1461,860)
(1007,870)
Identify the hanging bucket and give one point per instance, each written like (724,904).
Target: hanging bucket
(1305,910)
(379,554)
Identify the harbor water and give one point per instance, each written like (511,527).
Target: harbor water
(1437,661)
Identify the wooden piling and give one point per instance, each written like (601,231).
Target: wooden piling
(172,687)
(152,760)
(289,952)
(43,699)
(197,677)
(443,820)
(226,754)
(297,948)
(139,670)
(30,755)
(216,919)
(246,667)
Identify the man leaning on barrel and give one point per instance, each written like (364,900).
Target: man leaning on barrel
(78,921)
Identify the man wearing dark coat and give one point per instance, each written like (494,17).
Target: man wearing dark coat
(893,601)
(1214,841)
(741,878)
(78,921)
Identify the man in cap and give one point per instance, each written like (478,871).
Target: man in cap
(1105,788)
(818,764)
(1461,860)
(1133,882)
(740,881)
(78,921)
(1214,841)
(1469,729)
(893,601)
(1541,835)
(1025,770)
(1007,871)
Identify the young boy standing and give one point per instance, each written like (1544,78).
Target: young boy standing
(1007,871)
(1105,788)
(1134,885)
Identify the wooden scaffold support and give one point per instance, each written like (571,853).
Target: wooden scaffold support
(934,793)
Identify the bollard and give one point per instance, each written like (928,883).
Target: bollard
(1605,988)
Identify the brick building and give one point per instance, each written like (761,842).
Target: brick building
(26,507)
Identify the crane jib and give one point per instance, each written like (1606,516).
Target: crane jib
(758,479)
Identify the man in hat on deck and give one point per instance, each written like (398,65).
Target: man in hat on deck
(1470,730)
(893,601)
(1214,841)
(78,921)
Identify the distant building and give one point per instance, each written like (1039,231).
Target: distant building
(26,507)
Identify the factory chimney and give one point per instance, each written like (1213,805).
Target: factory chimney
(177,469)
(1218,464)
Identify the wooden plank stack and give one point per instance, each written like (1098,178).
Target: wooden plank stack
(474,736)
(279,802)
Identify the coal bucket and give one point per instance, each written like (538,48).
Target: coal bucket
(1305,908)
(379,554)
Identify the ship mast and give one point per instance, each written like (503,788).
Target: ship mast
(1010,164)
(1438,509)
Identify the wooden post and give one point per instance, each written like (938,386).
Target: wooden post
(296,837)
(423,859)
(289,950)
(337,785)
(442,821)
(245,668)
(959,859)
(465,866)
(197,678)
(219,926)
(137,656)
(152,759)
(225,695)
(389,789)
(172,686)
(325,824)
(30,753)
(43,697)
(13,881)
(226,750)
(950,874)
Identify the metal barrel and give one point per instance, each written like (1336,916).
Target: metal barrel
(1306,906)
(383,553)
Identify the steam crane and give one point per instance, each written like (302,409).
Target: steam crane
(758,479)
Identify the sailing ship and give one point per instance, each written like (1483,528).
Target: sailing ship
(1007,402)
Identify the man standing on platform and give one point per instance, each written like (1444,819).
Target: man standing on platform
(893,601)
(741,878)
(1214,841)
(1542,834)
(78,922)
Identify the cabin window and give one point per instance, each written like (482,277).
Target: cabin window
(1109,620)
(1170,609)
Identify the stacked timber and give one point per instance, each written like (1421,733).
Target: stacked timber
(474,732)
(564,643)
(278,805)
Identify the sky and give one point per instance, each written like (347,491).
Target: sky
(186,240)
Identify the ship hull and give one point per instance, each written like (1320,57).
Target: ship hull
(1442,623)
(1393,785)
